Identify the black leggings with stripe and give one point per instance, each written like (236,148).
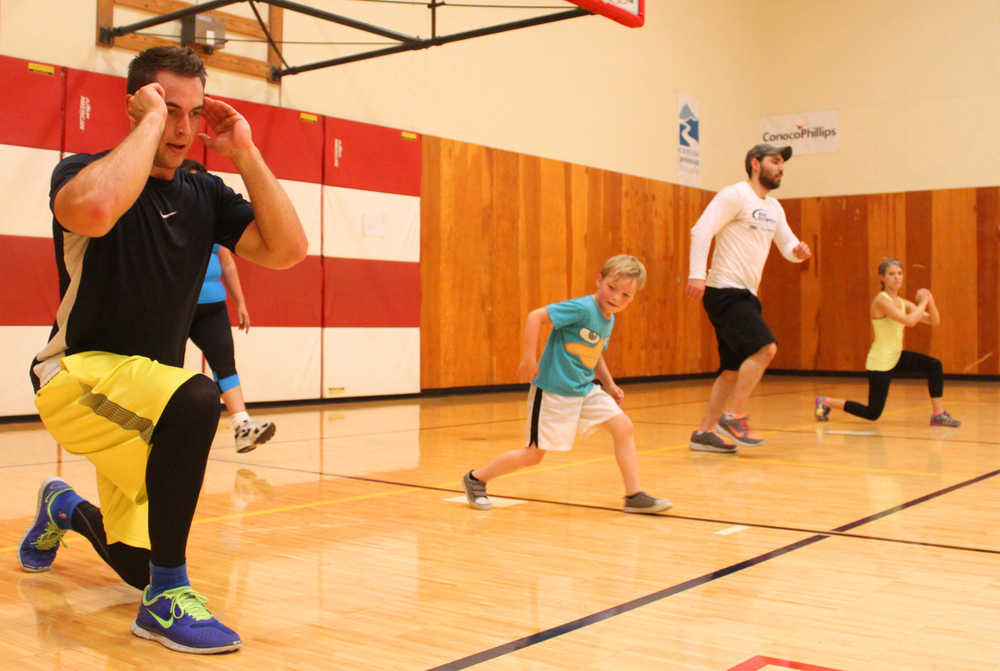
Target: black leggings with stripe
(174,474)
(878,383)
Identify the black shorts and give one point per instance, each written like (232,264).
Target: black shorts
(739,325)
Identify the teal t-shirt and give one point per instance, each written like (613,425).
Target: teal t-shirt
(212,290)
(580,333)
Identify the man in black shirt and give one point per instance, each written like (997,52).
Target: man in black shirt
(133,236)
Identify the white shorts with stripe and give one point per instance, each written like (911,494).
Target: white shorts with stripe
(554,420)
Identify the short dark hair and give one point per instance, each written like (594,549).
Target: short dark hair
(759,151)
(178,60)
(191,165)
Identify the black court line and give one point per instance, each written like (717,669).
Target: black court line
(691,518)
(608,613)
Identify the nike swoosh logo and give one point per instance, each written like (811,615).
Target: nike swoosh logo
(168,214)
(166,624)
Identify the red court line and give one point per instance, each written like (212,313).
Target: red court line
(760,662)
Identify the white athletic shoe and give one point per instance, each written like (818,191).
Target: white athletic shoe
(249,435)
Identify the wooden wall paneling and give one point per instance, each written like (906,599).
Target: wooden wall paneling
(578,184)
(550,220)
(458,349)
(886,232)
(810,299)
(988,279)
(469,268)
(509,306)
(918,260)
(431,333)
(844,329)
(954,275)
(780,295)
(634,334)
(667,275)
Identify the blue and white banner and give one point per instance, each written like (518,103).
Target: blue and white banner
(806,133)
(689,141)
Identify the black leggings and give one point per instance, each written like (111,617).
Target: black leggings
(878,383)
(211,333)
(174,474)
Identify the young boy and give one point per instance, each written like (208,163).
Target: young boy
(562,399)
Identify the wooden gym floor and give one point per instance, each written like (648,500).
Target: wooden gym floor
(345,542)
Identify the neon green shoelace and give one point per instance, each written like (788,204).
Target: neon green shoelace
(186,601)
(50,538)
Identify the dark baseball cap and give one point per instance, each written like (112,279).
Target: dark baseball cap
(759,151)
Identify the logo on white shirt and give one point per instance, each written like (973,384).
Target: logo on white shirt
(763,219)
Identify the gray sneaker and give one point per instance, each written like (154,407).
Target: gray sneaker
(475,492)
(709,441)
(739,429)
(641,502)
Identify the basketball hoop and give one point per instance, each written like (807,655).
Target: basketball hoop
(631,13)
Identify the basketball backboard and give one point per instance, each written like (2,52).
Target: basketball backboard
(631,13)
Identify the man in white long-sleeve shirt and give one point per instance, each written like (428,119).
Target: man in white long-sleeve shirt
(744,220)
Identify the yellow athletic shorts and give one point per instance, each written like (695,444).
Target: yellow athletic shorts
(105,406)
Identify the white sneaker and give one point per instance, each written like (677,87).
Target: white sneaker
(249,435)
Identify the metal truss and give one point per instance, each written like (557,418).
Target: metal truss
(405,42)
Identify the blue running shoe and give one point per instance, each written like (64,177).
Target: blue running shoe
(178,619)
(38,548)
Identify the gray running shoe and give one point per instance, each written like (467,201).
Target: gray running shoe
(641,502)
(475,492)
(709,441)
(944,419)
(739,430)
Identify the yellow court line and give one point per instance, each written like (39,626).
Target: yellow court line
(399,489)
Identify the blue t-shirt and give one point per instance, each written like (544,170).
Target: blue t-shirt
(580,333)
(212,290)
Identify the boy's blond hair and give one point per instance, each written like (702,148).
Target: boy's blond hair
(625,265)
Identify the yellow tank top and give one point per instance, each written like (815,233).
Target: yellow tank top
(888,343)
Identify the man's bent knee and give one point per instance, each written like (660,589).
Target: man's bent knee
(767,352)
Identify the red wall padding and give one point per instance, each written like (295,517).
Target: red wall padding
(363,292)
(290,141)
(96,114)
(281,297)
(374,158)
(29,293)
(31,104)
(78,111)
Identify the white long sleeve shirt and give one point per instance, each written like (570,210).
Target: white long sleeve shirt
(743,226)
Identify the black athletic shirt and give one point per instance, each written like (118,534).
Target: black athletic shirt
(134,290)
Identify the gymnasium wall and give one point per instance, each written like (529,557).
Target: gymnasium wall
(515,232)
(343,322)
(947,240)
(915,84)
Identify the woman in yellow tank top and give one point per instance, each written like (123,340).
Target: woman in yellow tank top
(890,314)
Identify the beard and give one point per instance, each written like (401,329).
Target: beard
(769,181)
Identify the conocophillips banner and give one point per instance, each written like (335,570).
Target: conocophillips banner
(806,133)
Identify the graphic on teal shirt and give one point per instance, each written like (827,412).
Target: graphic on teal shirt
(580,333)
